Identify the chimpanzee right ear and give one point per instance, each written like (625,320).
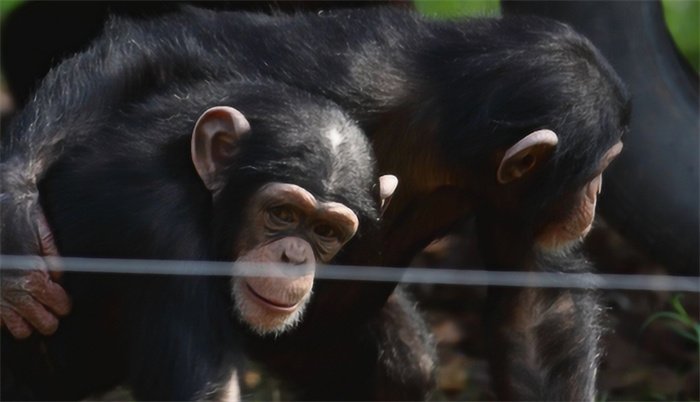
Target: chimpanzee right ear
(387,186)
(526,155)
(214,142)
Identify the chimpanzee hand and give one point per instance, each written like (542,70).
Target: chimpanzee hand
(29,298)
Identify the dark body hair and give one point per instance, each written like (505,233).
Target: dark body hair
(464,88)
(437,99)
(129,190)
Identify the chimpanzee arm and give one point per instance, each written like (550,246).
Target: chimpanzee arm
(544,342)
(179,350)
(401,359)
(389,357)
(407,360)
(30,299)
(56,121)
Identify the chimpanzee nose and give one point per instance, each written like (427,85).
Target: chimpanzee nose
(296,252)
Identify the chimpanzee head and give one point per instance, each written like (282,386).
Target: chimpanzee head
(548,115)
(292,180)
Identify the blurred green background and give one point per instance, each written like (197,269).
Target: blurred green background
(7,5)
(682,18)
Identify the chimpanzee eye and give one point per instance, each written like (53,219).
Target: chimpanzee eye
(326,231)
(283,214)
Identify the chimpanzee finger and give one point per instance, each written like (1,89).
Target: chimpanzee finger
(37,315)
(40,285)
(48,245)
(17,326)
(17,296)
(53,265)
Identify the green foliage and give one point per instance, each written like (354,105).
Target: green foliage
(456,8)
(679,321)
(683,20)
(689,328)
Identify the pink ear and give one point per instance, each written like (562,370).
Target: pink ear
(540,137)
(214,140)
(528,153)
(387,186)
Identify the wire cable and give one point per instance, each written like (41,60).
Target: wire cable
(413,275)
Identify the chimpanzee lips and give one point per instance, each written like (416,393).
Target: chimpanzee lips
(270,304)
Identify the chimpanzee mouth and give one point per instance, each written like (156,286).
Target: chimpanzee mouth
(269,304)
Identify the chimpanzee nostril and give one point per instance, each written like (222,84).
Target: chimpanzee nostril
(294,254)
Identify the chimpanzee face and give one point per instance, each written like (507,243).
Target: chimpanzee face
(578,220)
(286,226)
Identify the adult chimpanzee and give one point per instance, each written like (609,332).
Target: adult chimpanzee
(512,120)
(284,177)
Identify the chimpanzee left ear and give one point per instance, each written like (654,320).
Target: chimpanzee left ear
(527,154)
(214,141)
(387,186)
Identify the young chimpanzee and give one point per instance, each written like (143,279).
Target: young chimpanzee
(512,120)
(249,171)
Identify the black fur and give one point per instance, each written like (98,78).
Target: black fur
(480,85)
(437,97)
(129,190)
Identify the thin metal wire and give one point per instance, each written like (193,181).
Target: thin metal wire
(464,277)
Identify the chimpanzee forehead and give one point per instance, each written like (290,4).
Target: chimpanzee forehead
(325,162)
